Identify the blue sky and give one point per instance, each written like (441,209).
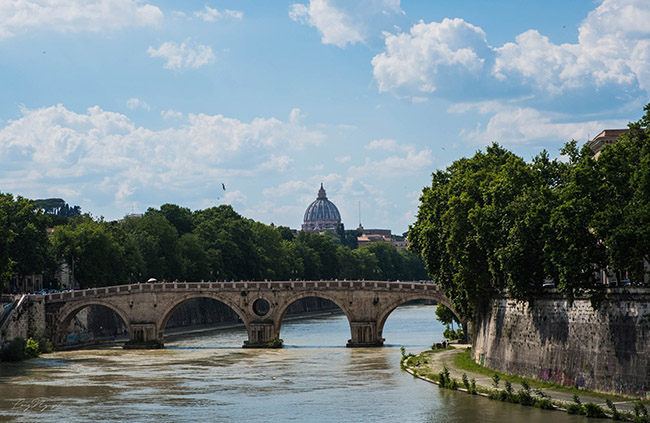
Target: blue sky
(121,105)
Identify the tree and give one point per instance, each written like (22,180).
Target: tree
(622,221)
(464,220)
(446,316)
(157,240)
(91,252)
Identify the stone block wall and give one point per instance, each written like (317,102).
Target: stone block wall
(26,320)
(606,350)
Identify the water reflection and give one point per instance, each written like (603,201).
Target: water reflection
(209,377)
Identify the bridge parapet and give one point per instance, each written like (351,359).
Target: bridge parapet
(238,286)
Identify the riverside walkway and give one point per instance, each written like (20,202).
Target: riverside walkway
(433,362)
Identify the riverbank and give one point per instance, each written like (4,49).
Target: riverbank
(450,365)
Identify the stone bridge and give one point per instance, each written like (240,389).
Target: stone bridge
(261,306)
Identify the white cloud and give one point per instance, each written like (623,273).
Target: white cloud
(182,56)
(136,103)
(234,197)
(384,144)
(288,189)
(209,14)
(75,15)
(430,53)
(342,22)
(171,114)
(610,41)
(414,162)
(343,159)
(277,163)
(516,125)
(106,154)
(612,53)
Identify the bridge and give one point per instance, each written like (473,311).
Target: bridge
(261,306)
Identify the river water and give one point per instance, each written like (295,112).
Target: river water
(209,377)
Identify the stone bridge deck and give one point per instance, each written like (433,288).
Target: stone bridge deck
(146,308)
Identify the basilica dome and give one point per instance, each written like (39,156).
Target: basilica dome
(321,214)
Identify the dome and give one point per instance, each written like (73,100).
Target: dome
(321,214)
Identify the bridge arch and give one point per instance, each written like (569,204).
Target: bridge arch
(167,314)
(284,307)
(386,311)
(69,311)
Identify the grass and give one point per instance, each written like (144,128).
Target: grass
(464,361)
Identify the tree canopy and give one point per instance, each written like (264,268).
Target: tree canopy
(174,242)
(495,222)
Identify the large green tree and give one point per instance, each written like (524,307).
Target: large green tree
(622,221)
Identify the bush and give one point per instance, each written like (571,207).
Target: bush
(524,397)
(453,385)
(495,380)
(14,350)
(575,409)
(442,381)
(544,404)
(460,334)
(42,337)
(640,410)
(615,414)
(466,383)
(508,387)
(31,349)
(449,334)
(473,385)
(594,410)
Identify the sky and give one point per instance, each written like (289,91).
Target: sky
(121,105)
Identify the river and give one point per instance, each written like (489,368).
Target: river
(209,377)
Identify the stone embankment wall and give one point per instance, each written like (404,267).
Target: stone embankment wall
(606,350)
(25,320)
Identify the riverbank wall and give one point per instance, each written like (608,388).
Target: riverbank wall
(605,349)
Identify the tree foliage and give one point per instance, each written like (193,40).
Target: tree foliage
(494,222)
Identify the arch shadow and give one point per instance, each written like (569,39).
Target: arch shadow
(68,312)
(161,324)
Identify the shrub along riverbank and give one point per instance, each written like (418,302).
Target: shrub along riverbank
(454,369)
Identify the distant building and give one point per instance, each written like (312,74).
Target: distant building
(369,236)
(321,214)
(606,137)
(26,283)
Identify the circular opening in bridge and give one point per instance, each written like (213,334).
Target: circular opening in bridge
(261,307)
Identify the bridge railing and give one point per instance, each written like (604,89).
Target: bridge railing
(244,285)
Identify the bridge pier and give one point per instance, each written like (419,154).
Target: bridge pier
(262,335)
(143,336)
(364,334)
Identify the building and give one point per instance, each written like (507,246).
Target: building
(25,283)
(322,214)
(369,236)
(606,137)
